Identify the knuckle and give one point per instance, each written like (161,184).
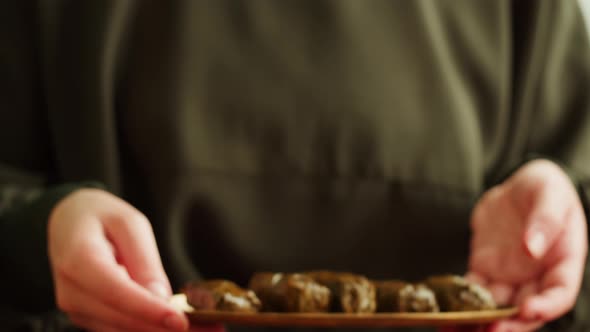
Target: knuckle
(141,220)
(544,165)
(134,220)
(543,171)
(495,192)
(487,201)
(491,196)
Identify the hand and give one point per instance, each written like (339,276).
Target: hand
(106,266)
(529,245)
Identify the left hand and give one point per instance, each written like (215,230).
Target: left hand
(529,245)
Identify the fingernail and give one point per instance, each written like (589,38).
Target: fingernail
(175,323)
(536,244)
(159,290)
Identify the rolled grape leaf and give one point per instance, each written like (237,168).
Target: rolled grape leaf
(399,296)
(350,293)
(220,295)
(455,293)
(284,292)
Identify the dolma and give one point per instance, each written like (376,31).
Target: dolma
(350,293)
(455,293)
(290,292)
(399,296)
(220,295)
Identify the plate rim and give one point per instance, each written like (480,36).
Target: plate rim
(378,319)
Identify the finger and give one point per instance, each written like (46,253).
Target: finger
(559,294)
(501,292)
(562,281)
(525,291)
(92,324)
(516,326)
(133,238)
(98,275)
(547,217)
(73,300)
(476,278)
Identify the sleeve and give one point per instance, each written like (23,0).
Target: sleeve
(26,167)
(53,321)
(24,210)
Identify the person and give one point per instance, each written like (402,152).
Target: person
(145,144)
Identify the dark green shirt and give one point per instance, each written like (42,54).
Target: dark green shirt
(284,135)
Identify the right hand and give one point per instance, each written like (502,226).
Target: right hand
(106,267)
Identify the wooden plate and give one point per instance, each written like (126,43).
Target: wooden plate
(342,319)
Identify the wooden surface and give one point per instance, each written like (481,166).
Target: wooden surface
(344,320)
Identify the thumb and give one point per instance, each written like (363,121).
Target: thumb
(135,247)
(549,206)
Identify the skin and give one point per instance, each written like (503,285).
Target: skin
(106,267)
(528,247)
